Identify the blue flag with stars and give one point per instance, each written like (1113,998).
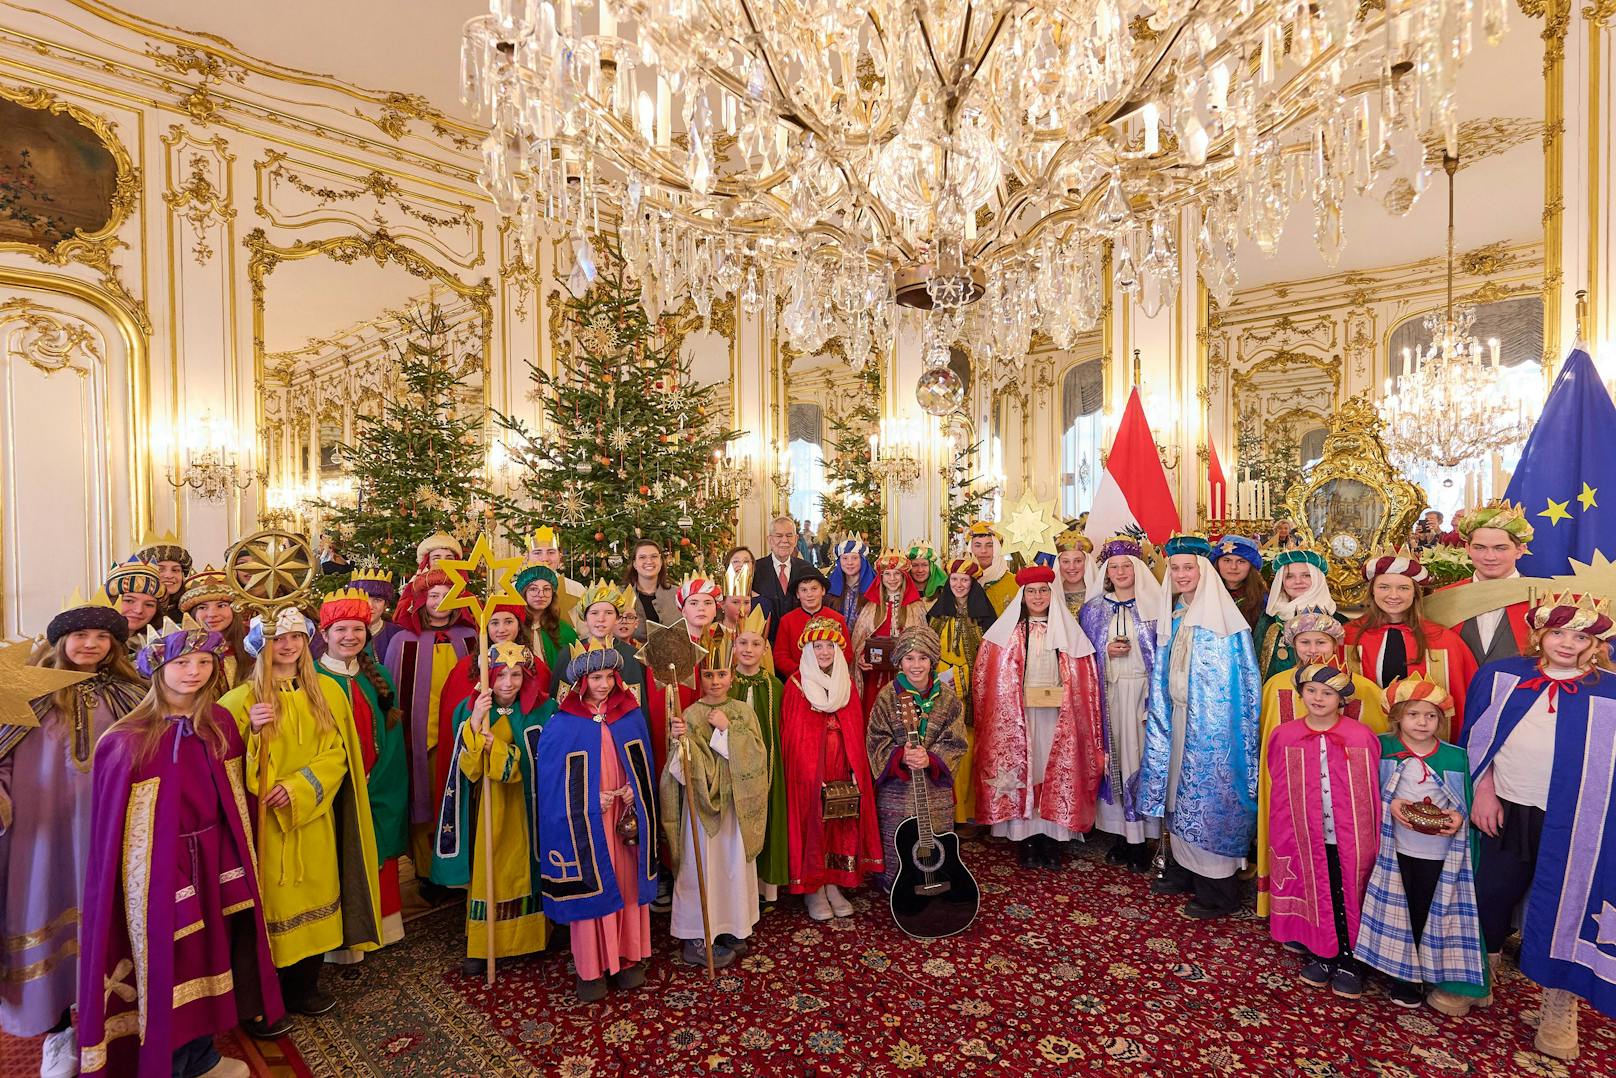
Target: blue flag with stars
(1566,480)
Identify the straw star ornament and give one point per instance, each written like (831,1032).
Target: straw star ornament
(1030,526)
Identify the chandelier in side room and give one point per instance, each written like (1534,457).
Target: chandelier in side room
(988,161)
(1448,410)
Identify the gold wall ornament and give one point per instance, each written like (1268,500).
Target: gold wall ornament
(196,199)
(398,109)
(1483,137)
(50,344)
(1353,500)
(189,60)
(375,184)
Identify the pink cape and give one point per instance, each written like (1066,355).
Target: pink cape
(1002,765)
(1299,876)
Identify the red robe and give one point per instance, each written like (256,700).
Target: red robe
(1447,660)
(820,851)
(1514,614)
(788,653)
(1002,765)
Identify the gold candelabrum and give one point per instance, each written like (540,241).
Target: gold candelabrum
(780,478)
(212,466)
(892,454)
(730,478)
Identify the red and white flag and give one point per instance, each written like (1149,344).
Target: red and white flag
(1133,491)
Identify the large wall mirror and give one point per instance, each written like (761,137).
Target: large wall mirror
(327,326)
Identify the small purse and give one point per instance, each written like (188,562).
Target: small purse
(839,800)
(1042,695)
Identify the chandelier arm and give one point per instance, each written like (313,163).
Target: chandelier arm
(974,67)
(800,116)
(925,39)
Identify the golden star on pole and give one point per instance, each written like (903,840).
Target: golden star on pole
(1597,576)
(501,575)
(670,646)
(1029,527)
(20,683)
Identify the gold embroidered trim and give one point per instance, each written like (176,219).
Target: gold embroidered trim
(292,924)
(191,991)
(188,930)
(137,845)
(238,787)
(29,940)
(839,862)
(35,970)
(188,891)
(232,875)
(245,904)
(94,1058)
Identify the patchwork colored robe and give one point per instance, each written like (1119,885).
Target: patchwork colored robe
(1300,903)
(1216,801)
(1003,764)
(1450,954)
(1568,939)
(1119,784)
(1447,660)
(762,692)
(507,757)
(1282,704)
(172,941)
(942,735)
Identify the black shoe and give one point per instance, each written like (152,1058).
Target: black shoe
(314,1004)
(1194,910)
(1406,994)
(590,991)
(1317,973)
(1120,853)
(1054,854)
(1347,983)
(630,978)
(268,1031)
(474,967)
(1139,858)
(433,894)
(1167,885)
(732,943)
(1026,855)
(663,902)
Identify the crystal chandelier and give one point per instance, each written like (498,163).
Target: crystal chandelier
(1447,409)
(834,158)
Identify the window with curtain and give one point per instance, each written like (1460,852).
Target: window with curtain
(1082,431)
(805,431)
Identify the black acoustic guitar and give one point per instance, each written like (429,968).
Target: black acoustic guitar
(934,894)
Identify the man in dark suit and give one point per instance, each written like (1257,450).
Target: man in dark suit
(775,577)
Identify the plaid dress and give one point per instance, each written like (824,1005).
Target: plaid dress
(1450,955)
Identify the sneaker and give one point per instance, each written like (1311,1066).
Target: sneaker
(839,905)
(590,991)
(1317,973)
(59,1057)
(733,944)
(818,906)
(630,978)
(268,1031)
(694,954)
(1406,994)
(1450,1003)
(1346,983)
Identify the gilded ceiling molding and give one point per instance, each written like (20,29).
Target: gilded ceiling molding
(1286,360)
(93,249)
(1600,13)
(197,199)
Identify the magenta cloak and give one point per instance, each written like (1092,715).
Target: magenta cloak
(1300,903)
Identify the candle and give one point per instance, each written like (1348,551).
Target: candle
(874,442)
(1151,116)
(1492,346)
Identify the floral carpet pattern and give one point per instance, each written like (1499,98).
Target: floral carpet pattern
(1077,972)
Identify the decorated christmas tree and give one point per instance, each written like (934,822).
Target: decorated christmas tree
(964,496)
(851,502)
(624,448)
(418,466)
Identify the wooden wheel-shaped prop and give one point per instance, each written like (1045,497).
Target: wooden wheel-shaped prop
(271,570)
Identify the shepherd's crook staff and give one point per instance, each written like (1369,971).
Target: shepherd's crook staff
(500,572)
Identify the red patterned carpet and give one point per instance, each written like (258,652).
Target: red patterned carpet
(1080,972)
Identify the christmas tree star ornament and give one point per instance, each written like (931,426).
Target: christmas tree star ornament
(20,683)
(1030,526)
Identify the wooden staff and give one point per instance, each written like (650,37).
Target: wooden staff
(484,612)
(673,711)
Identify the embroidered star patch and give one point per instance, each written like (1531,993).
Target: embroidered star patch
(1606,920)
(1005,783)
(1281,874)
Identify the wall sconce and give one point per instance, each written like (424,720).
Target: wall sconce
(892,455)
(731,475)
(781,477)
(213,453)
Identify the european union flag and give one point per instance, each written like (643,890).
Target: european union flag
(1566,480)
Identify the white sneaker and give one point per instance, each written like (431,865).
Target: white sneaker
(839,905)
(818,908)
(60,1057)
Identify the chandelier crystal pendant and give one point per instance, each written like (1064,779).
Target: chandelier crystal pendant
(999,153)
(1447,410)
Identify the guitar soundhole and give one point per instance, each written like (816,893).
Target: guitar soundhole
(921,862)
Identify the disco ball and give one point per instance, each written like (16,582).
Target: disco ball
(940,391)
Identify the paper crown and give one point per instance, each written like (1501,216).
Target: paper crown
(822,629)
(850,546)
(375,582)
(969,566)
(1415,687)
(604,591)
(544,538)
(133,577)
(165,547)
(1579,613)
(891,559)
(1073,539)
(170,642)
(79,615)
(1386,561)
(720,645)
(1501,513)
(1188,543)
(1314,620)
(1300,555)
(288,619)
(697,583)
(982,527)
(738,580)
(344,604)
(509,653)
(755,621)
(1122,546)
(920,548)
(590,656)
(209,585)
(1326,674)
(437,541)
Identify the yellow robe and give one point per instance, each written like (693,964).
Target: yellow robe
(298,854)
(1279,700)
(1001,591)
(519,926)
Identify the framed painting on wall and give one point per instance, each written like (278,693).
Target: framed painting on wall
(65,182)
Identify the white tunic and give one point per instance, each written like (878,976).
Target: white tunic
(1126,689)
(732,883)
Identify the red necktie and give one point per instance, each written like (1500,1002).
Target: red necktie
(783,578)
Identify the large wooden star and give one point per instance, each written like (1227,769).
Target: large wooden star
(20,683)
(1029,527)
(500,574)
(670,646)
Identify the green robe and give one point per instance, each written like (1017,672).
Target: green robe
(389,778)
(555,648)
(762,692)
(741,780)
